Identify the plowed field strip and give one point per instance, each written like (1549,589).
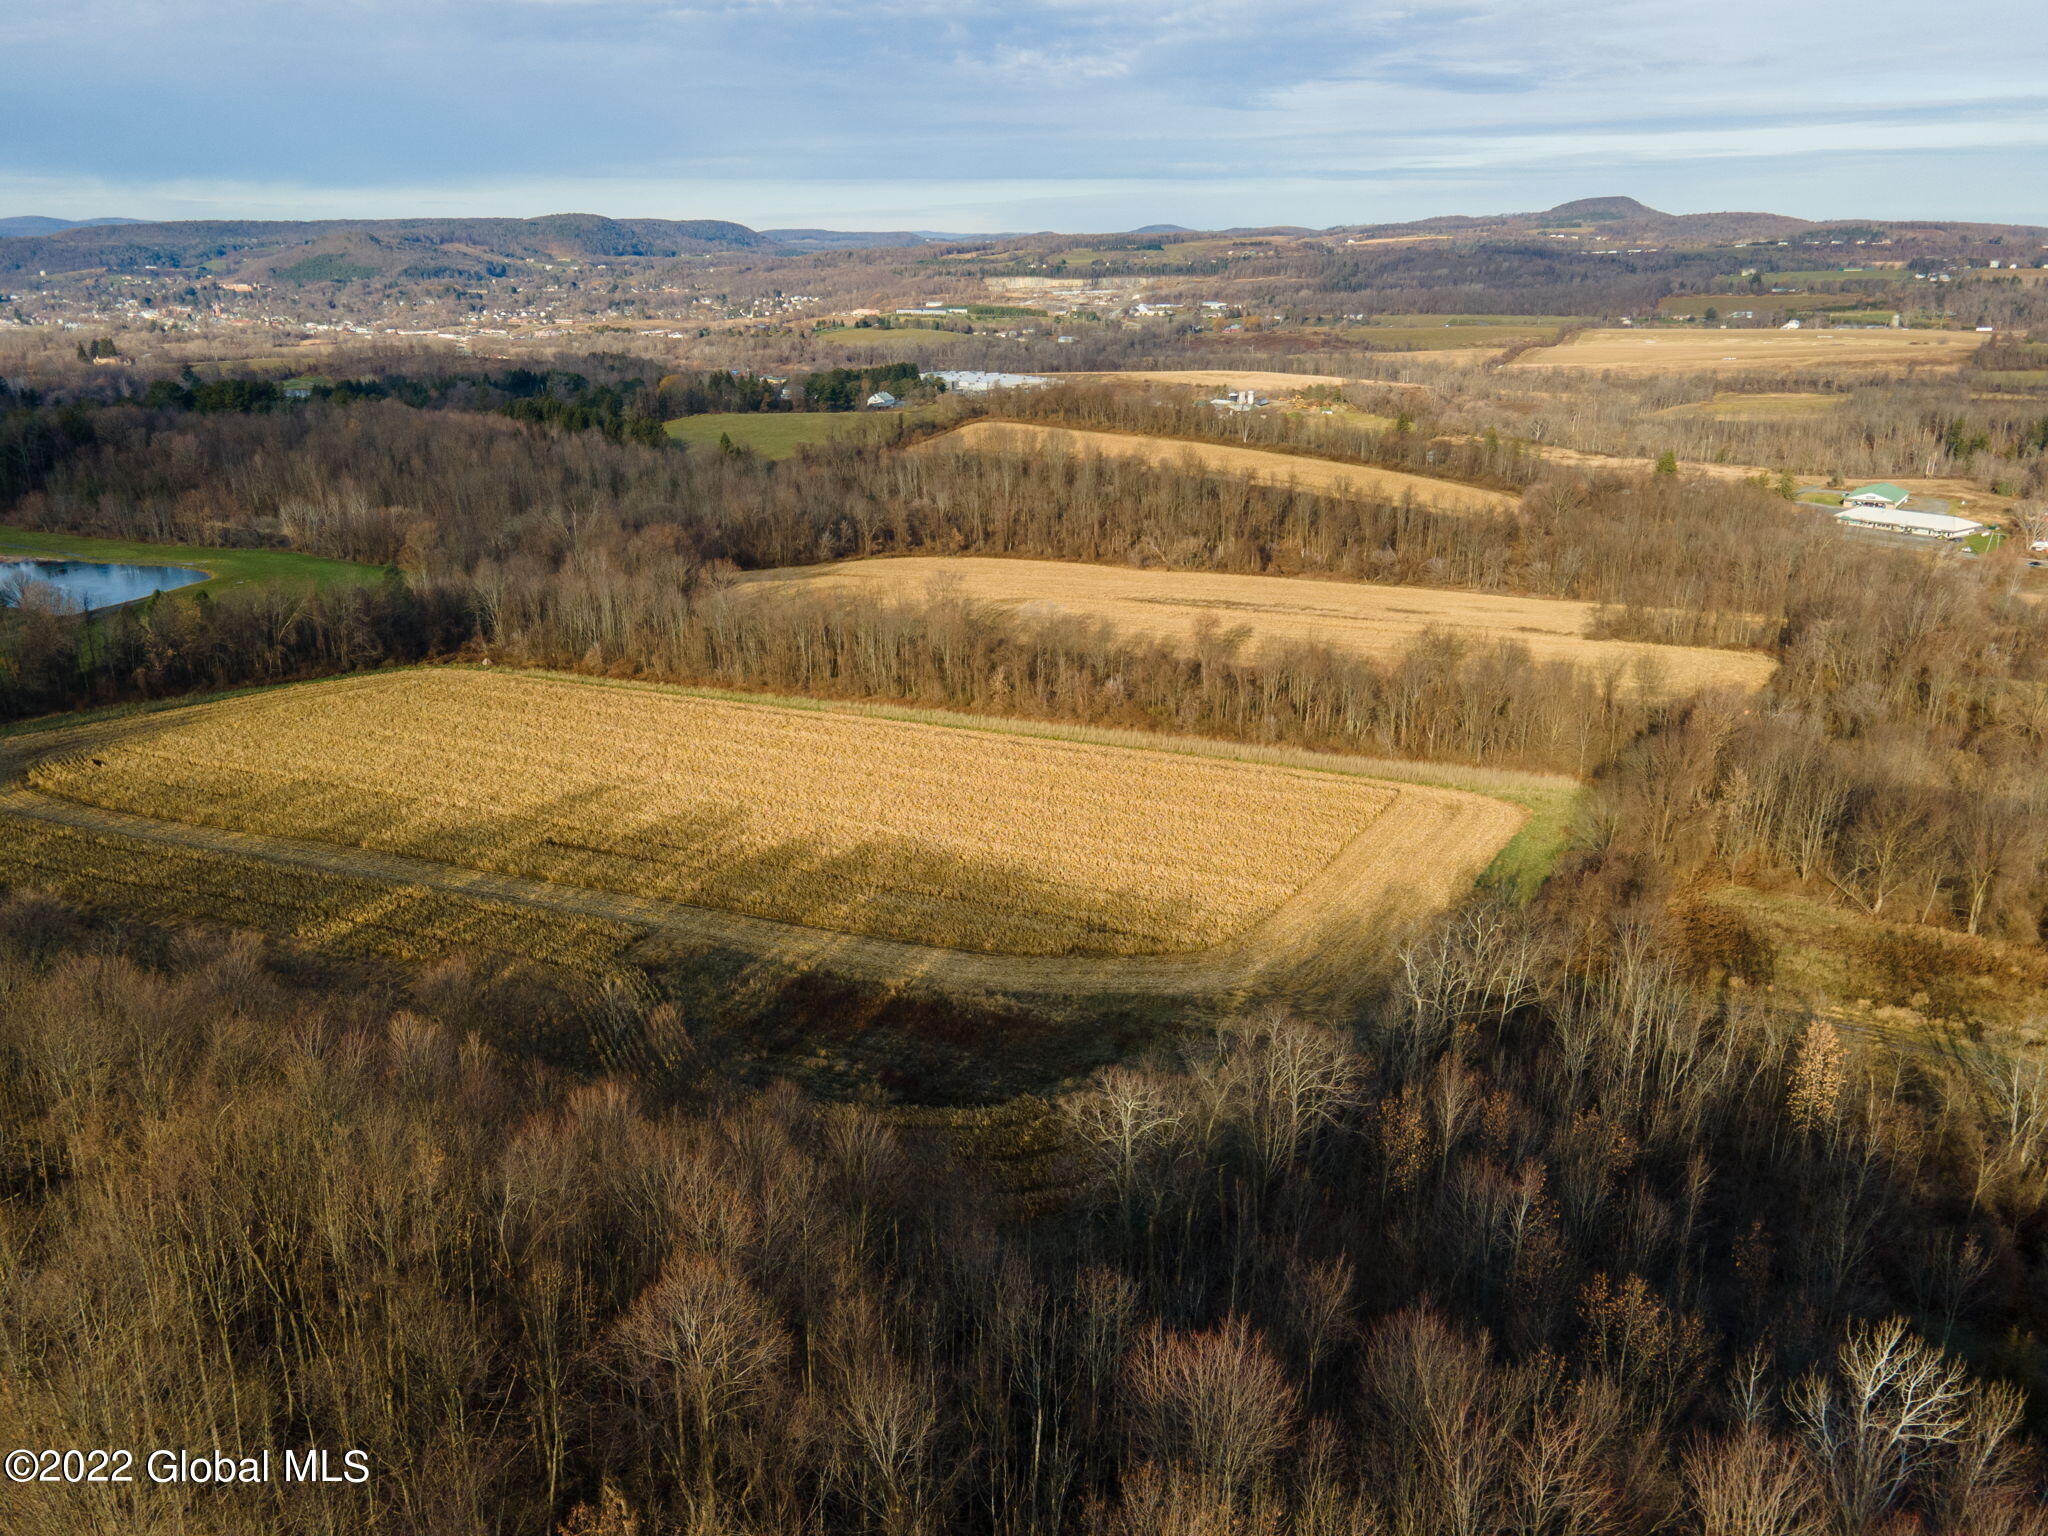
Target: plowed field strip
(1264,465)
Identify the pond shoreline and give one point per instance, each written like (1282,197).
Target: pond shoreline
(91,586)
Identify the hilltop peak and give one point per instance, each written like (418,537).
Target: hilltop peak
(1600,208)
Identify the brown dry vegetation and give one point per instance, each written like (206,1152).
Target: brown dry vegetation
(1643,351)
(1195,610)
(1264,466)
(963,839)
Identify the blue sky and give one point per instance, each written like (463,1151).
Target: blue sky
(987,114)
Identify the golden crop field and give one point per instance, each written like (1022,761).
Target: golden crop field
(156,880)
(1277,611)
(1226,378)
(1264,465)
(1469,359)
(965,839)
(1658,351)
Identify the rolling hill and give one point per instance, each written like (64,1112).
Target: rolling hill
(37,224)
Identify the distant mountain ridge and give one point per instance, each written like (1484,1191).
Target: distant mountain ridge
(842,239)
(299,252)
(37,224)
(1624,218)
(370,247)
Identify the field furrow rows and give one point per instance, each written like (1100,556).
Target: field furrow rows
(993,895)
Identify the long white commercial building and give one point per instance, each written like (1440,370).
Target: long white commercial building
(1927,525)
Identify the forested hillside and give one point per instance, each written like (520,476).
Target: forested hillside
(1573,1218)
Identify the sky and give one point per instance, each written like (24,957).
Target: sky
(986,115)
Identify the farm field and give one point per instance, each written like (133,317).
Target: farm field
(713,820)
(1636,351)
(1218,378)
(1439,322)
(1765,306)
(1966,498)
(1444,357)
(1637,464)
(1440,336)
(1781,406)
(902,341)
(781,434)
(1273,612)
(1264,465)
(161,877)
(232,569)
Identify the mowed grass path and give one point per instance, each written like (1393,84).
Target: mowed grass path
(1265,465)
(232,569)
(1353,861)
(1270,613)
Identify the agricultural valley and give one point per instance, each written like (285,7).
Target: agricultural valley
(1388,880)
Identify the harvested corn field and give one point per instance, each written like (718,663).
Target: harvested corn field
(1271,613)
(918,834)
(1264,465)
(1219,378)
(362,913)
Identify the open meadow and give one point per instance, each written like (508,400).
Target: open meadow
(871,844)
(1761,407)
(1265,465)
(1675,351)
(783,434)
(228,569)
(1268,614)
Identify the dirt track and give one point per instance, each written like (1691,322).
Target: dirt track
(1424,849)
(1264,465)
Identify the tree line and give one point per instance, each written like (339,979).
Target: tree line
(1549,1240)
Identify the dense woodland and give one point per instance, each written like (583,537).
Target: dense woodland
(1566,1227)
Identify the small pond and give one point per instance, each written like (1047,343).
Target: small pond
(84,584)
